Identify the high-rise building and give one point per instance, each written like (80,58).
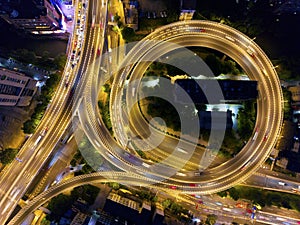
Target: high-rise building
(16,89)
(33,16)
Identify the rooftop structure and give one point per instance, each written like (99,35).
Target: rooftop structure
(34,16)
(133,212)
(159,214)
(16,89)
(205,118)
(187,7)
(131,14)
(233,90)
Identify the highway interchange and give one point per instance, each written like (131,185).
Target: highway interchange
(76,100)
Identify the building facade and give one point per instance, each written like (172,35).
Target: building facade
(33,16)
(16,89)
(187,9)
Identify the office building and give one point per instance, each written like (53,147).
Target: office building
(34,16)
(187,9)
(16,89)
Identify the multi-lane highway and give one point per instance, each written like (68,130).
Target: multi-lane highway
(16,178)
(206,203)
(247,54)
(83,85)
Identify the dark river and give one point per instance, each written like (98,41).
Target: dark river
(10,40)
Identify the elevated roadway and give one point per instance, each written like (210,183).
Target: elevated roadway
(17,177)
(237,46)
(85,89)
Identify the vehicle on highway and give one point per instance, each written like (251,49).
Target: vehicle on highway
(93,21)
(264,72)
(281,183)
(229,38)
(255,135)
(38,140)
(19,160)
(198,173)
(44,131)
(246,165)
(266,136)
(180,174)
(250,52)
(181,150)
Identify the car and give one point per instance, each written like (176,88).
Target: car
(249,211)
(44,131)
(266,136)
(198,173)
(19,160)
(173,187)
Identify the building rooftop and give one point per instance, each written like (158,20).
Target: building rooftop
(203,91)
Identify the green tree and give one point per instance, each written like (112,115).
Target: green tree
(222,194)
(166,203)
(85,192)
(8,155)
(25,56)
(47,91)
(214,64)
(45,222)
(234,193)
(211,219)
(59,205)
(115,185)
(60,61)
(128,34)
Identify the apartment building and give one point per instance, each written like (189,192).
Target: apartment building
(16,89)
(33,16)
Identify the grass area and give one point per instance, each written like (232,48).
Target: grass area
(263,197)
(48,91)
